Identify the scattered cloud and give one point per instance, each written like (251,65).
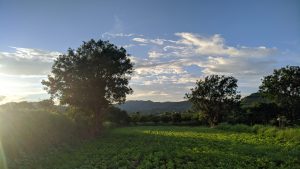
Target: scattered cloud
(157,41)
(149,93)
(109,35)
(169,69)
(167,62)
(142,40)
(27,61)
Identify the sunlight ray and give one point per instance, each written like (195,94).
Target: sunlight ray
(2,158)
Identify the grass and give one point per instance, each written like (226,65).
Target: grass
(173,147)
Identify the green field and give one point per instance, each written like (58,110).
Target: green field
(173,147)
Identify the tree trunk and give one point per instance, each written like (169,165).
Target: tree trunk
(97,122)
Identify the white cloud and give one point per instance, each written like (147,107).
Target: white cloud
(154,54)
(157,41)
(216,46)
(27,61)
(117,35)
(31,54)
(128,46)
(164,74)
(166,63)
(142,40)
(149,93)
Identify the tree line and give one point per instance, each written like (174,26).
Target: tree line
(96,75)
(215,100)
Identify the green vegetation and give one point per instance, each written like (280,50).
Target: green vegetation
(214,96)
(30,129)
(178,147)
(90,79)
(283,88)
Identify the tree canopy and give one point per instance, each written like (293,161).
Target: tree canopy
(91,78)
(214,96)
(283,87)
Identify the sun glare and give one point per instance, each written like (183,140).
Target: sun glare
(2,158)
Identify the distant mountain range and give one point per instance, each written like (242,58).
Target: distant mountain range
(147,107)
(150,107)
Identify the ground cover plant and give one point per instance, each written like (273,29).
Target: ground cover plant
(177,147)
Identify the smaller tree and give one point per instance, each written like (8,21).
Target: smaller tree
(283,87)
(214,96)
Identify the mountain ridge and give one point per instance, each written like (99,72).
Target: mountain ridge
(151,107)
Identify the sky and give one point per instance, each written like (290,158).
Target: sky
(172,43)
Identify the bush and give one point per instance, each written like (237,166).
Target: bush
(280,134)
(176,117)
(116,115)
(235,128)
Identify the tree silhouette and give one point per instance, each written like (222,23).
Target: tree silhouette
(91,78)
(214,97)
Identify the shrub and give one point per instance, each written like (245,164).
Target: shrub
(280,134)
(235,128)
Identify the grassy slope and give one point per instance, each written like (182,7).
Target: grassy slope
(174,147)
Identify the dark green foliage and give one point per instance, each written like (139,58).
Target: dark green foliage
(176,117)
(166,117)
(116,115)
(263,113)
(214,97)
(135,117)
(187,116)
(154,118)
(91,78)
(278,134)
(283,87)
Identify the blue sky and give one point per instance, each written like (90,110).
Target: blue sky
(173,43)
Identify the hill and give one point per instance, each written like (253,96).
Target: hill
(150,107)
(253,99)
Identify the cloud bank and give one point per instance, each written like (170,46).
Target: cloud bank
(165,69)
(173,66)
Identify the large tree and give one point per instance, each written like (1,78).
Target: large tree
(283,87)
(214,96)
(91,78)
